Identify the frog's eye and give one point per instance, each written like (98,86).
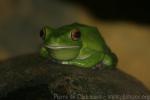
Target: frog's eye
(75,34)
(42,34)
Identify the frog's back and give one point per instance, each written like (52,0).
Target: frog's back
(90,36)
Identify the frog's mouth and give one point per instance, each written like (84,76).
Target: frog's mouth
(62,47)
(63,52)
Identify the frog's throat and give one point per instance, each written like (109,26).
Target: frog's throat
(62,47)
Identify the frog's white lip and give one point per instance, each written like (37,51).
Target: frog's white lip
(61,47)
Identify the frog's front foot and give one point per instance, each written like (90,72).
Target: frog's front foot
(64,62)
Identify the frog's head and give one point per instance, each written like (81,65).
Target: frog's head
(63,43)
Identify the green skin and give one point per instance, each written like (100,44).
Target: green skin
(88,50)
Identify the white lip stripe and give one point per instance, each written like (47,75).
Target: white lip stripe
(61,47)
(84,57)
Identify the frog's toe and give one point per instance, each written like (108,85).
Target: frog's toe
(99,66)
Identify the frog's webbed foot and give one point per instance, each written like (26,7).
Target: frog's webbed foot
(99,66)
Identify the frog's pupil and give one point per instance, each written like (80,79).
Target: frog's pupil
(41,34)
(76,35)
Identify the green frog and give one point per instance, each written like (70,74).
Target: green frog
(76,44)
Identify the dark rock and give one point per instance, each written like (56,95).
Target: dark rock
(29,77)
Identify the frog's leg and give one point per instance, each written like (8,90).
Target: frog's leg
(43,52)
(110,60)
(87,58)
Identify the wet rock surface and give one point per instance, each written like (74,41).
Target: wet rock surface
(30,77)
